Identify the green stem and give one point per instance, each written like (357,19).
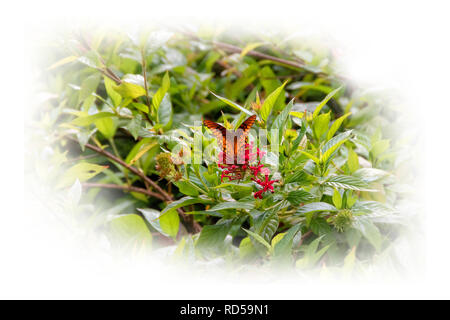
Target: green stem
(113,145)
(197,173)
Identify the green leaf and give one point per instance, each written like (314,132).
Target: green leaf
(185,201)
(270,82)
(333,145)
(88,86)
(232,104)
(170,223)
(372,207)
(277,239)
(301,177)
(107,127)
(137,148)
(248,205)
(313,158)
(82,171)
(379,147)
(300,136)
(212,237)
(134,126)
(246,248)
(186,188)
(336,125)
(165,113)
(258,238)
(140,106)
(370,175)
(116,98)
(320,125)
(315,207)
(129,90)
(84,135)
(348,182)
(90,60)
(280,121)
(312,255)
(269,103)
(62,62)
(84,121)
(143,150)
(319,226)
(159,95)
(352,237)
(369,231)
(349,261)
(337,199)
(352,162)
(152,217)
(131,228)
(298,196)
(324,101)
(283,248)
(234,185)
(266,224)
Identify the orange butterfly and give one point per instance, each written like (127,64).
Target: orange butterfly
(232,143)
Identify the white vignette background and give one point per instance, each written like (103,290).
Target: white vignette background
(400,45)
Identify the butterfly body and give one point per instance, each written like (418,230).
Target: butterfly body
(231,143)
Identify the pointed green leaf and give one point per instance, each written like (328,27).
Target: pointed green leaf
(84,121)
(159,95)
(258,238)
(283,248)
(324,102)
(269,103)
(129,90)
(315,207)
(336,125)
(185,201)
(232,104)
(348,182)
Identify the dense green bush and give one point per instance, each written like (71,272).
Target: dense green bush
(116,105)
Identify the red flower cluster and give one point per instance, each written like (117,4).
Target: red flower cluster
(266,184)
(237,171)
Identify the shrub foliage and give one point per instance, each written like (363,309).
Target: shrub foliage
(120,115)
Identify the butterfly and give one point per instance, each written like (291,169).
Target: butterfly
(231,143)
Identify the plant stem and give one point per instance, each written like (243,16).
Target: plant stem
(191,224)
(144,70)
(256,54)
(197,187)
(113,145)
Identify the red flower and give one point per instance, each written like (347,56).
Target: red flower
(266,184)
(237,172)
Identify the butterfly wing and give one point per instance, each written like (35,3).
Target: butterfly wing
(242,137)
(219,133)
(233,143)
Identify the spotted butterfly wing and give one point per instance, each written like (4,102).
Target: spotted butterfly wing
(230,142)
(242,138)
(219,133)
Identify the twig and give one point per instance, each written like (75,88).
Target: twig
(191,224)
(144,71)
(235,49)
(106,71)
(129,167)
(256,54)
(123,187)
